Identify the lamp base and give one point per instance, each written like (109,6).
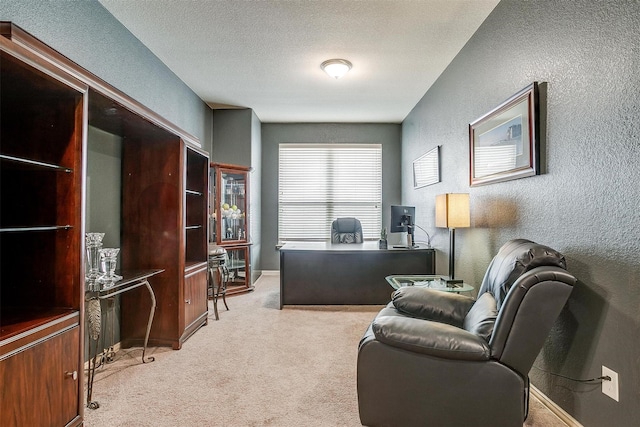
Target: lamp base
(452,251)
(452,283)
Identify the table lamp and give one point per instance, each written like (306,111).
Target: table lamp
(452,211)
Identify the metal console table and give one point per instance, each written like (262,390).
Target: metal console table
(97,292)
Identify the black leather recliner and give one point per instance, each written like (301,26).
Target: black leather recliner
(432,358)
(346,230)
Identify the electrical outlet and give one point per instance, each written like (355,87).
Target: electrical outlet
(610,388)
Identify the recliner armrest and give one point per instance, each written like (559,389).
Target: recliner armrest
(430,338)
(432,304)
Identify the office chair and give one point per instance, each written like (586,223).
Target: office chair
(346,230)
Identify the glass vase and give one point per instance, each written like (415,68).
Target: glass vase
(93,246)
(108,261)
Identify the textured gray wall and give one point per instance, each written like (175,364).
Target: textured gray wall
(232,133)
(389,135)
(586,204)
(256,195)
(237,141)
(88,34)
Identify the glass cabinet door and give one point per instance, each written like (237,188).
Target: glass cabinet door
(238,266)
(233,207)
(229,216)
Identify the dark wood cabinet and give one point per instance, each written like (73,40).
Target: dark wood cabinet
(41,239)
(229,213)
(195,299)
(196,174)
(53,395)
(47,103)
(164,225)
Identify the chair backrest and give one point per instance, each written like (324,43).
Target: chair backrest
(515,258)
(346,230)
(530,286)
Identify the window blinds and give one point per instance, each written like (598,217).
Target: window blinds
(321,182)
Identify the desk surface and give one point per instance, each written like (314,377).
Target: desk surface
(368,245)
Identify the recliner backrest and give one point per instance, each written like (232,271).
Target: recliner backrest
(346,230)
(528,313)
(530,286)
(515,258)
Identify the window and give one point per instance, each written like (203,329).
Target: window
(321,182)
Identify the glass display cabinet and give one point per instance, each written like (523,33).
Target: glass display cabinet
(230,217)
(229,221)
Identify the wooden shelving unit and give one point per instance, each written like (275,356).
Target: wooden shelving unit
(41,244)
(164,225)
(47,104)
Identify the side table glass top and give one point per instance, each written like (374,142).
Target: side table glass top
(427,281)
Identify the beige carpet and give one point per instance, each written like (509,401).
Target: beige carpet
(256,366)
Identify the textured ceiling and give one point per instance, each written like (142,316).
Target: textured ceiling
(266,54)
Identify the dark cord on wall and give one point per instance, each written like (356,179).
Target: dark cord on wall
(590,380)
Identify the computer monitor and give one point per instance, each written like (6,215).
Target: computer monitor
(402,218)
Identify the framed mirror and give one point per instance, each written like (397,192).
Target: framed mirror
(504,143)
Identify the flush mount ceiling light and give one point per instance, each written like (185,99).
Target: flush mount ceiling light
(336,67)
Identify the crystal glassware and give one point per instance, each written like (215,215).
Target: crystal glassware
(108,261)
(93,246)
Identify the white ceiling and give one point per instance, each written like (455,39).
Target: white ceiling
(266,54)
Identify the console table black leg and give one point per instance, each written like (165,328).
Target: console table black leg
(151,313)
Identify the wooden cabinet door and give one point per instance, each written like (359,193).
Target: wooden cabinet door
(195,294)
(39,387)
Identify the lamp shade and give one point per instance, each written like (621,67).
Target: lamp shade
(452,210)
(336,68)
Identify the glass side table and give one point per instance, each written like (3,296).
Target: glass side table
(428,281)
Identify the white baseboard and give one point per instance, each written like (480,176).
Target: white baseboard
(270,272)
(553,407)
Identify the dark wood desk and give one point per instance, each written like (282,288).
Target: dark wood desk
(318,273)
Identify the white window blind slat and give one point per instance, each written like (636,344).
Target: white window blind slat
(321,182)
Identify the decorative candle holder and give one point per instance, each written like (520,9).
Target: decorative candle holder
(108,261)
(93,246)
